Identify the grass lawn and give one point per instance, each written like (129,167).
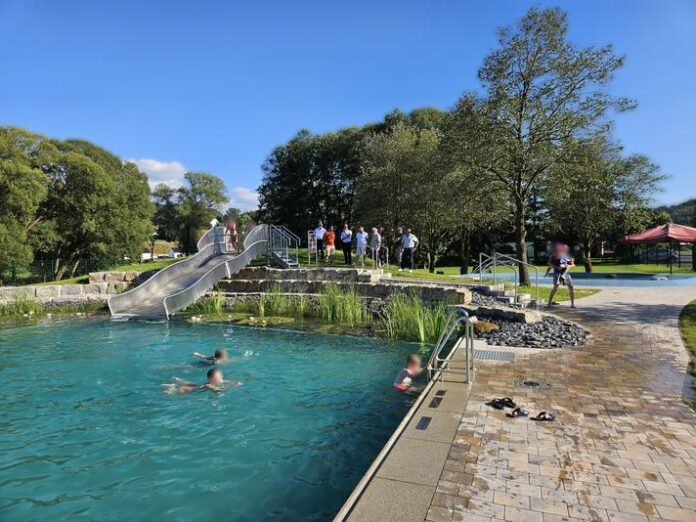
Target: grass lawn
(133,267)
(687,325)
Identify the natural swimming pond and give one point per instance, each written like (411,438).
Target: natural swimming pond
(86,431)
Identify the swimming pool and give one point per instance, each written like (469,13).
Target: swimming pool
(603,279)
(87,432)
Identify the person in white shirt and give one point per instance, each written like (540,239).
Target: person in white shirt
(347,244)
(319,235)
(361,245)
(376,245)
(409,242)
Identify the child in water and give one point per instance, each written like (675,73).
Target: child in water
(404,379)
(215,382)
(220,357)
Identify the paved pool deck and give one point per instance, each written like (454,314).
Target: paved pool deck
(623,447)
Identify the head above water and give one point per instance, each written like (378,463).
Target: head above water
(220,354)
(215,376)
(413,360)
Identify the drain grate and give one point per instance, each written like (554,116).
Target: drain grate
(492,355)
(528,383)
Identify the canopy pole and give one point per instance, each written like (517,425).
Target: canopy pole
(669,253)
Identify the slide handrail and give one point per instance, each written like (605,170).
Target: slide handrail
(255,245)
(211,244)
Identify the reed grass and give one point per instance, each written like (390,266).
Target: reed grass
(20,307)
(343,306)
(407,318)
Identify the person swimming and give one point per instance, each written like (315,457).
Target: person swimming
(219,357)
(404,379)
(215,382)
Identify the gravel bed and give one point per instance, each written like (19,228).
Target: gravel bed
(550,332)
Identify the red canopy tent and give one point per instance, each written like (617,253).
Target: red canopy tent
(664,234)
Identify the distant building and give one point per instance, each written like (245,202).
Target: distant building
(174,253)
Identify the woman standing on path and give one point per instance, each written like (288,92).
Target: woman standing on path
(347,244)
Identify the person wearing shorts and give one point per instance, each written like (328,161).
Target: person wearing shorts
(330,244)
(561,262)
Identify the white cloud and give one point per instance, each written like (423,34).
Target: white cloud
(168,172)
(244,198)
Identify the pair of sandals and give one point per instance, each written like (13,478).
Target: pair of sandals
(507,402)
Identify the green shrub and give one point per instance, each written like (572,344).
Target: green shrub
(208,305)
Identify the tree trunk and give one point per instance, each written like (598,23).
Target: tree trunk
(587,257)
(465,252)
(431,262)
(521,241)
(74,268)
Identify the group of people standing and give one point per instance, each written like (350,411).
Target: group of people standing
(404,245)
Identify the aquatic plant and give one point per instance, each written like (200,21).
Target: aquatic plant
(343,306)
(407,317)
(20,307)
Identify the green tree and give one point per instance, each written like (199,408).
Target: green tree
(312,178)
(542,90)
(22,189)
(593,190)
(198,203)
(166,217)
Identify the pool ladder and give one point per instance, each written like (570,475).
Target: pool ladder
(455,319)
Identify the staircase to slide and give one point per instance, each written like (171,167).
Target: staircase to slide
(184,282)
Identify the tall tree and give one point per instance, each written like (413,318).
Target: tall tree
(22,189)
(198,204)
(593,190)
(542,90)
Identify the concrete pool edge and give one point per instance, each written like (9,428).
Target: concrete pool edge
(400,483)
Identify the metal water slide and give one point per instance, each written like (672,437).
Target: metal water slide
(184,282)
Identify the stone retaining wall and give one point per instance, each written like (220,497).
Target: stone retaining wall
(132,278)
(429,294)
(61,295)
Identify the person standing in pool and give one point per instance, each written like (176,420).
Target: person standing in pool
(561,262)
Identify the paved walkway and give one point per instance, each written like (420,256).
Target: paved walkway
(623,446)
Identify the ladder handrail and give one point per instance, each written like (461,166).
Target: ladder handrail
(454,319)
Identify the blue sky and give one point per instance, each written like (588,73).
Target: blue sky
(214,86)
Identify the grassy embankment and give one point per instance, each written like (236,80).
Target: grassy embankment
(687,325)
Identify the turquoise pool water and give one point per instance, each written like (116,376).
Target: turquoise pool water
(86,431)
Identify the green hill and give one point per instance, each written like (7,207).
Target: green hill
(682,213)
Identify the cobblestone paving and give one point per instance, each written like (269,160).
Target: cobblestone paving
(623,447)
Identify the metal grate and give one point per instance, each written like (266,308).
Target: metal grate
(491,355)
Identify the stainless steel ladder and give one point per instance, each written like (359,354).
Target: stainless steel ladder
(455,319)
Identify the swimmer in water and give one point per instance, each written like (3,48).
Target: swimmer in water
(405,377)
(220,357)
(215,382)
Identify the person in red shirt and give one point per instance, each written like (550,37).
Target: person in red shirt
(330,244)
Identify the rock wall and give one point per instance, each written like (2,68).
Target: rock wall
(61,295)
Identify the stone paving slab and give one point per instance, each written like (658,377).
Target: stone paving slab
(623,446)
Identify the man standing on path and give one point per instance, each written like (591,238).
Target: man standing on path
(347,244)
(376,246)
(361,245)
(409,243)
(319,235)
(398,246)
